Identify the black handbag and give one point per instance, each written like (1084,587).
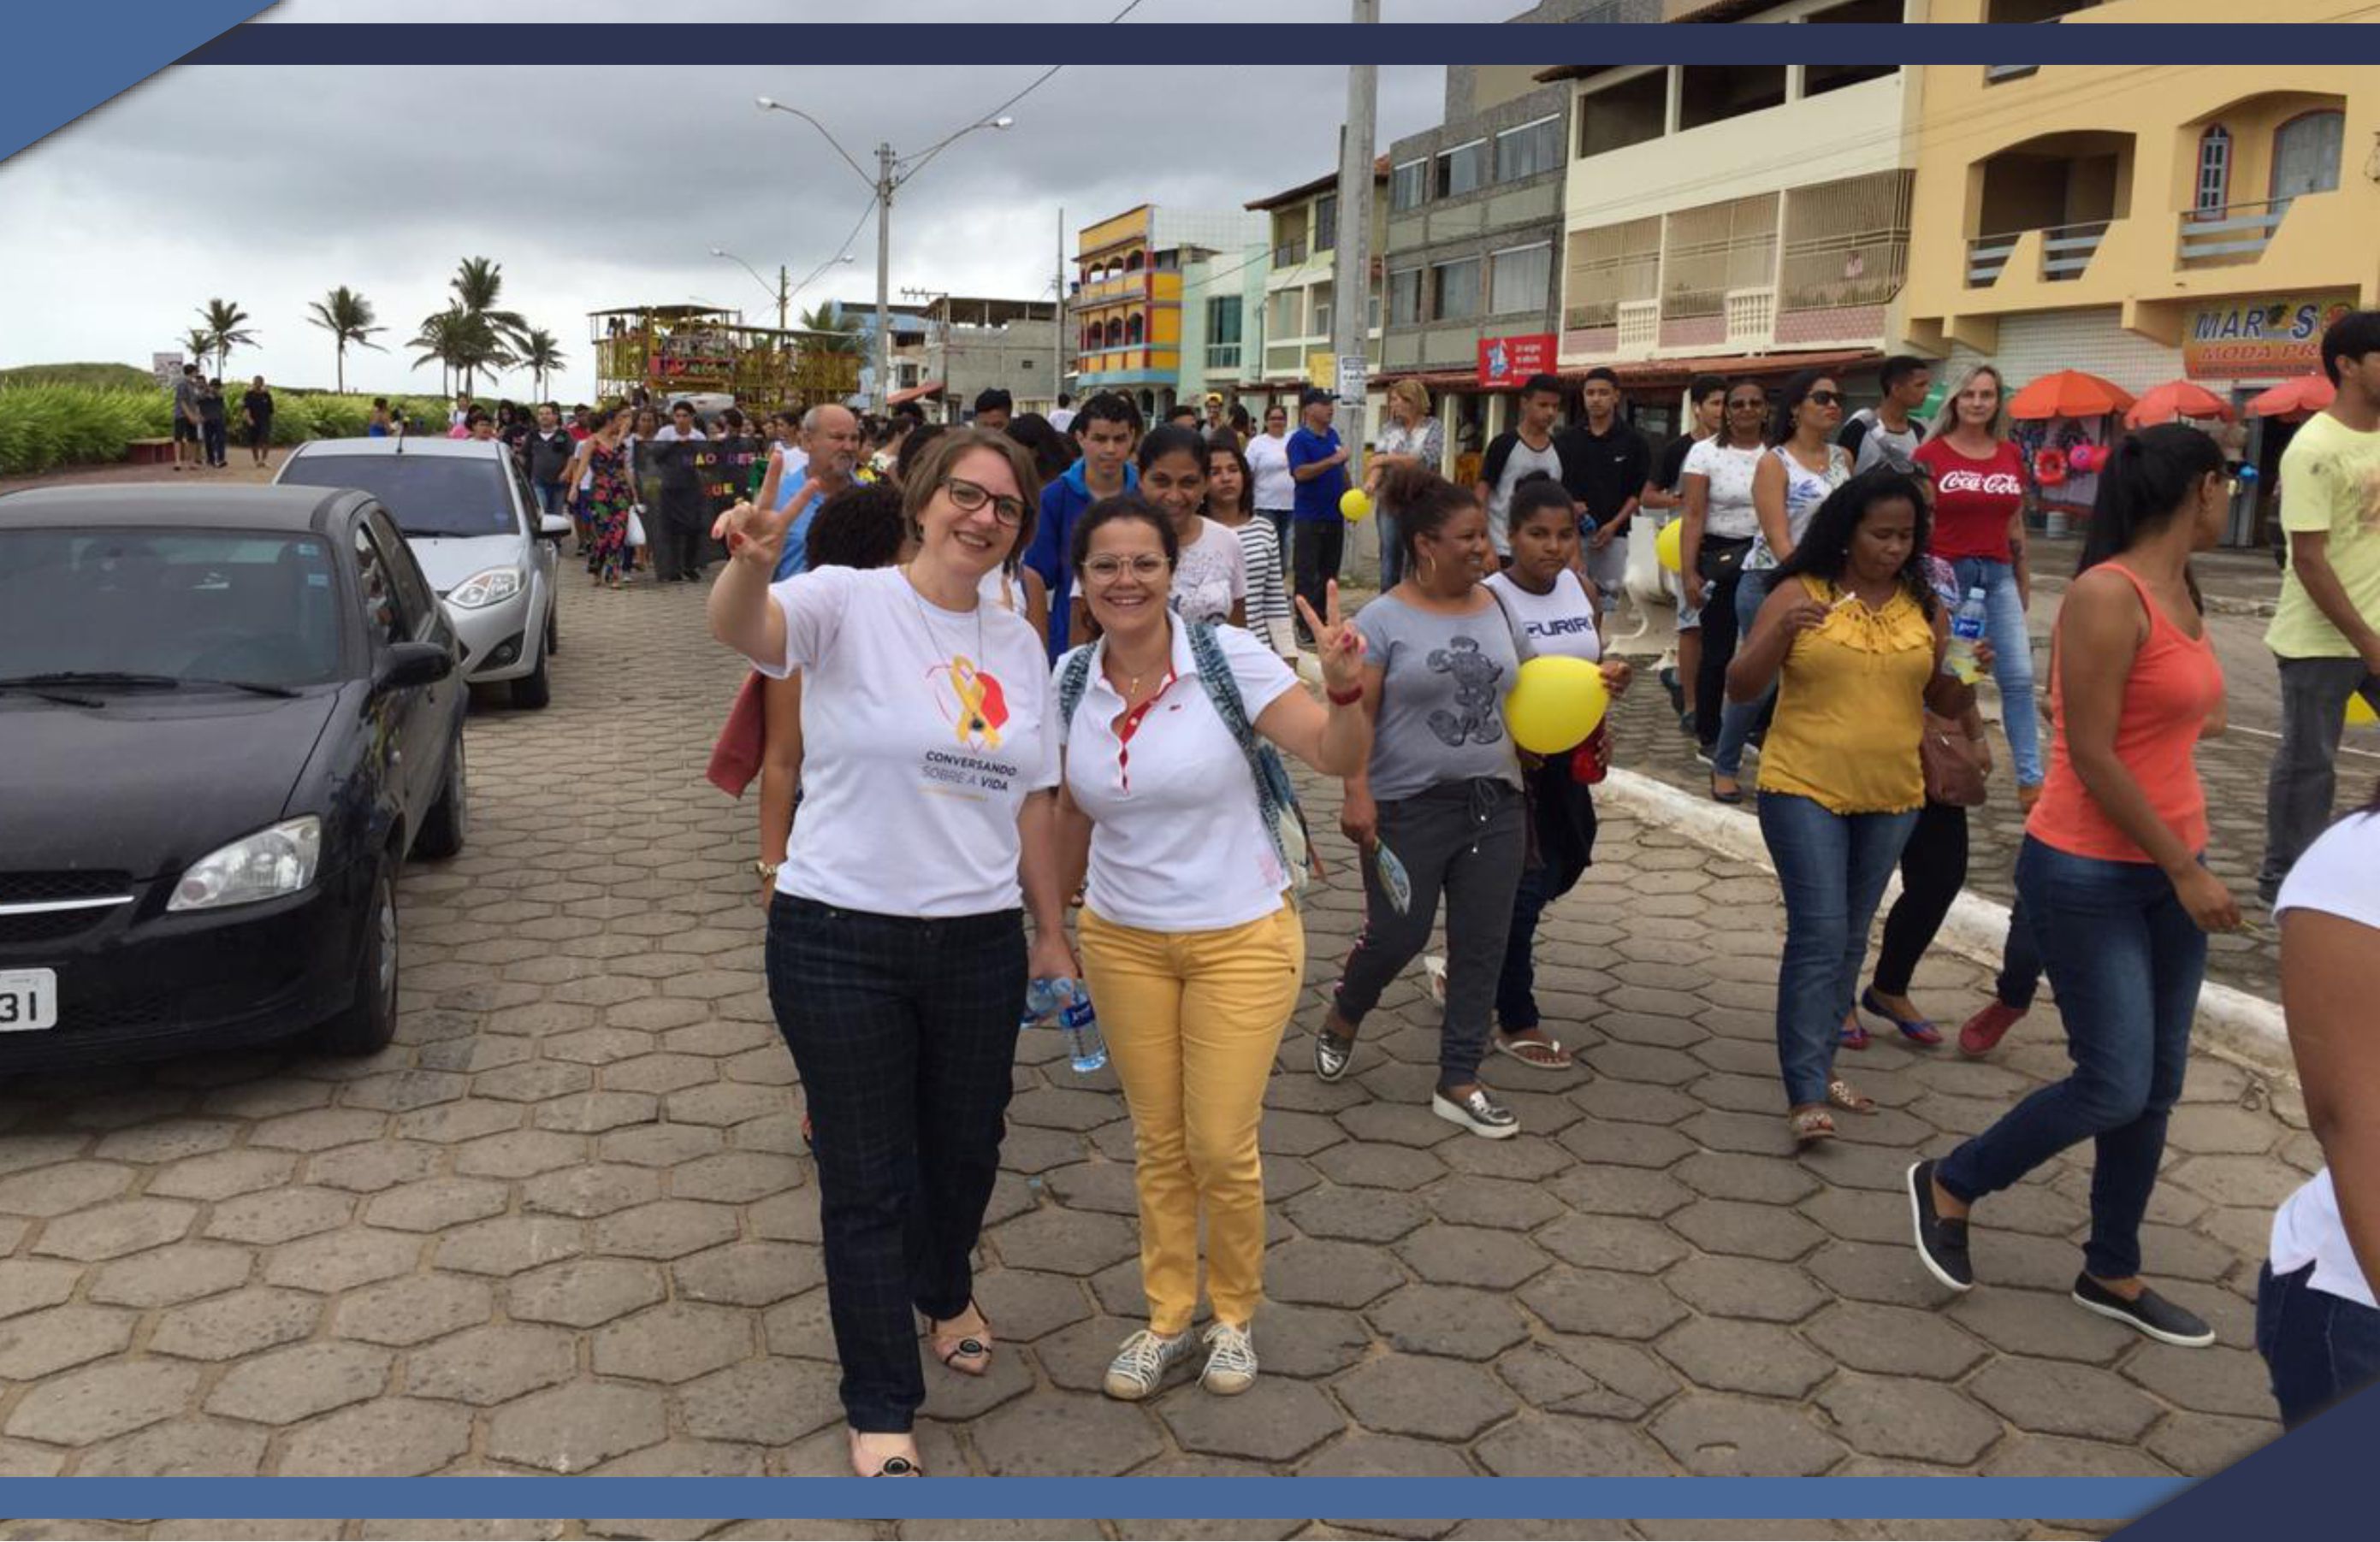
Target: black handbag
(1723,558)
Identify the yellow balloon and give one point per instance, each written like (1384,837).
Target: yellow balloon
(2359,713)
(1355,503)
(1670,544)
(1555,703)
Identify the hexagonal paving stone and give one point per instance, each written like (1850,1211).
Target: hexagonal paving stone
(1894,1340)
(1310,1342)
(1364,1215)
(184,1448)
(83,1407)
(1733,1356)
(484,1366)
(773,1402)
(672,1343)
(738,1177)
(1068,1242)
(113,1230)
(666,1229)
(53,1191)
(41,1344)
(1732,1228)
(223,1175)
(319,1129)
(532,1081)
(1277,1420)
(1474,1256)
(518,1154)
(594,1113)
(390,1437)
(659,1072)
(372,1168)
(1549,1445)
(661,1144)
(1715,1436)
(1329,1273)
(227,1327)
(435,1203)
(1612,1242)
(584,1292)
(2217,1380)
(1075,1435)
(26,1285)
(1599,1303)
(1388,1167)
(2035,1322)
(342,1260)
(289,1385)
(588,1191)
(1761,1180)
(754,1274)
(1899,1416)
(277,1216)
(412,1311)
(1426,1397)
(508,1244)
(1360,1454)
(1595,1377)
(2058,1397)
(569,1429)
(1447,1320)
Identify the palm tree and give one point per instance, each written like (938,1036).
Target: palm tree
(842,327)
(463,344)
(201,344)
(226,322)
(347,317)
(478,283)
(540,354)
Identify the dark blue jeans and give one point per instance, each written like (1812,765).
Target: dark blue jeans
(2319,1347)
(2020,978)
(2127,961)
(905,1033)
(1832,868)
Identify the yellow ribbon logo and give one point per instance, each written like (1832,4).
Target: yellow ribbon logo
(975,729)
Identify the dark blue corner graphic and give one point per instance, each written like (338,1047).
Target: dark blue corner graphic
(2307,1482)
(70,58)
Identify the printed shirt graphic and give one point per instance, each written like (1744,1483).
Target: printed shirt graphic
(1561,623)
(923,731)
(1442,698)
(1212,576)
(1973,500)
(2331,483)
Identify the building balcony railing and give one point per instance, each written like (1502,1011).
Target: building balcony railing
(1222,356)
(1751,317)
(2232,232)
(1640,326)
(2065,251)
(1289,254)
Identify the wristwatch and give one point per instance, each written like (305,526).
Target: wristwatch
(765,871)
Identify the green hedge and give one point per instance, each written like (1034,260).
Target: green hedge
(49,425)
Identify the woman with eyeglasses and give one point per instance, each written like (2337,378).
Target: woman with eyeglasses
(1192,946)
(1721,524)
(1803,464)
(897,958)
(1437,809)
(1274,491)
(1978,476)
(1210,577)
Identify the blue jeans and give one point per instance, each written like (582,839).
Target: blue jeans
(2126,961)
(1832,868)
(2011,641)
(549,498)
(2319,1347)
(1392,557)
(1737,719)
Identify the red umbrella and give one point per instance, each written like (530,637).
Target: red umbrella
(2176,398)
(2294,399)
(2068,394)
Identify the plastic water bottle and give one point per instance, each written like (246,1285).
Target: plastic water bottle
(1966,630)
(1070,1004)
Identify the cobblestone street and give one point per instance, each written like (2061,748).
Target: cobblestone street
(565,1223)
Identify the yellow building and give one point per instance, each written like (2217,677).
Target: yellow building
(1127,305)
(2143,223)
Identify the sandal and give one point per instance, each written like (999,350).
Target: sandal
(892,1466)
(1729,799)
(1843,1095)
(1853,1035)
(1811,1123)
(1544,1054)
(969,1353)
(1917,1030)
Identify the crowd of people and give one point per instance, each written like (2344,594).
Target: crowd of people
(1022,668)
(202,422)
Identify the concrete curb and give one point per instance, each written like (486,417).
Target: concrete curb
(2231,1023)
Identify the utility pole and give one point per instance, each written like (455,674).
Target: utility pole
(883,277)
(1058,339)
(1351,273)
(782,294)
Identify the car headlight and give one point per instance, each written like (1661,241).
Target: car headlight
(275,861)
(492,587)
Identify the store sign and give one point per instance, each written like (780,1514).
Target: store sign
(1353,368)
(1507,361)
(1322,370)
(2276,336)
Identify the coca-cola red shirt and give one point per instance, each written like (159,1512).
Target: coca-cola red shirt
(1973,500)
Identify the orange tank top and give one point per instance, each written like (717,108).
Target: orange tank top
(2175,685)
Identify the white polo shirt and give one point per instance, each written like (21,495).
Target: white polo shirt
(1178,842)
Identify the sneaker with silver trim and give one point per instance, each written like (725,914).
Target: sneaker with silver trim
(1140,1365)
(1230,1361)
(1331,1055)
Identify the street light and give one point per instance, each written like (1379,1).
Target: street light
(891,173)
(780,292)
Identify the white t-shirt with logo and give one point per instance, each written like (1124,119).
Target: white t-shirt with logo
(1178,842)
(1275,489)
(1561,623)
(922,732)
(2335,875)
(1211,575)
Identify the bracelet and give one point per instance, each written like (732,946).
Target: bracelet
(1347,700)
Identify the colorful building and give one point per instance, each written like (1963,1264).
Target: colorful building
(1127,304)
(1298,285)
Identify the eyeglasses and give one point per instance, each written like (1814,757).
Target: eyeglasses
(1748,405)
(1825,398)
(969,498)
(1108,569)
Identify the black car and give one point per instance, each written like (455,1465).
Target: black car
(226,715)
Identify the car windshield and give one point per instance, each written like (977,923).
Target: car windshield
(180,606)
(428,494)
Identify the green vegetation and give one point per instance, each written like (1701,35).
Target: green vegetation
(123,377)
(45,424)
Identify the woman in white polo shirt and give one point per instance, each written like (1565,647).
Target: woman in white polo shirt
(897,961)
(2317,1322)
(1192,950)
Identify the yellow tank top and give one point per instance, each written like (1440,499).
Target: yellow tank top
(1851,707)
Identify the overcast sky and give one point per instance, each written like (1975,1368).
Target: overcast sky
(269,187)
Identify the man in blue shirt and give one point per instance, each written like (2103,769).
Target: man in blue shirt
(1317,464)
(1106,428)
(831,435)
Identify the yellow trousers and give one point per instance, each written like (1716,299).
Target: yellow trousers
(1192,1020)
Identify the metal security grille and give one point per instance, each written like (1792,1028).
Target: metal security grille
(1846,243)
(1610,266)
(1715,248)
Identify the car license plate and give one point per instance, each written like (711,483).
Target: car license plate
(29,999)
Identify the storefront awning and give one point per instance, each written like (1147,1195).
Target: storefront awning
(916,393)
(1649,374)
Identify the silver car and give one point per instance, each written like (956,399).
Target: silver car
(467,513)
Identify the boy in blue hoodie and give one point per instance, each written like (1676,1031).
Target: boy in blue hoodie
(1106,428)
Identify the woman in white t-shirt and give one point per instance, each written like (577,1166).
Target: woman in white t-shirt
(2317,1322)
(1210,575)
(1274,491)
(1269,614)
(1191,948)
(896,958)
(1718,534)
(1551,613)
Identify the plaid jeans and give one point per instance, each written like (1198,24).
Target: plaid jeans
(904,1032)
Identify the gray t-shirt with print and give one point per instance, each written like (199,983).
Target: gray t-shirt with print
(1441,698)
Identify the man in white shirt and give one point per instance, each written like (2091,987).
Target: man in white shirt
(1529,446)
(1062,418)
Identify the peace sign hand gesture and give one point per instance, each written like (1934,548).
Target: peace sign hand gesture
(1340,645)
(758,535)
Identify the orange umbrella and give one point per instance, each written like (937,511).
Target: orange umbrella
(2294,399)
(2068,394)
(2176,398)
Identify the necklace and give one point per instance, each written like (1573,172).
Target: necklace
(963,670)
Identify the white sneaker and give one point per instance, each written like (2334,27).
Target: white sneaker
(1142,1363)
(1231,1362)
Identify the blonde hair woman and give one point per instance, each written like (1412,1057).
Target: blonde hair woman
(1412,439)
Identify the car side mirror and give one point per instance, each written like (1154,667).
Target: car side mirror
(552,526)
(409,665)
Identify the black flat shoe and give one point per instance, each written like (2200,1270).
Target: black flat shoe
(2149,1312)
(1941,1242)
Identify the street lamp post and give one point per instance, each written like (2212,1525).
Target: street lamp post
(891,173)
(783,293)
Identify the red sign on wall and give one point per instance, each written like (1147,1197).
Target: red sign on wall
(1507,361)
